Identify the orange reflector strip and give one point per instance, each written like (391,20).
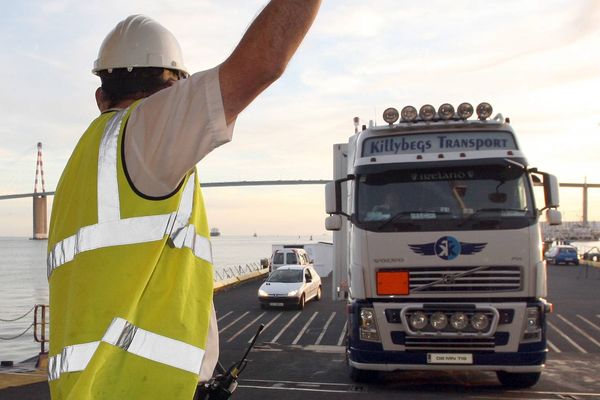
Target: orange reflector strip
(392,283)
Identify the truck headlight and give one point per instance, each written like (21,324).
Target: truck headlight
(459,321)
(480,321)
(533,324)
(368,325)
(418,320)
(439,320)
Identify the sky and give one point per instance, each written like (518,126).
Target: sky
(535,61)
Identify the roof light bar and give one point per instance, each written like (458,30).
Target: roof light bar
(446,111)
(390,115)
(409,113)
(427,112)
(484,111)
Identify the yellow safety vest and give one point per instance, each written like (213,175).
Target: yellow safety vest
(131,279)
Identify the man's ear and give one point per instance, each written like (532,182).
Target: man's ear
(102,100)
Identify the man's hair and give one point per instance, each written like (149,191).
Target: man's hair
(121,84)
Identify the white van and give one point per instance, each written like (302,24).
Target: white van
(289,256)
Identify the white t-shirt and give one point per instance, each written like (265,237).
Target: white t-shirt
(166,135)
(172,130)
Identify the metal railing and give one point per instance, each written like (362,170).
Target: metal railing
(41,312)
(41,324)
(237,271)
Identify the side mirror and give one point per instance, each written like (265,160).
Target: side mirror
(553,217)
(333,223)
(331,196)
(551,191)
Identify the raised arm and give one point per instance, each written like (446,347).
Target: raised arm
(264,52)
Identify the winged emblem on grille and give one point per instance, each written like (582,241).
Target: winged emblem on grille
(447,248)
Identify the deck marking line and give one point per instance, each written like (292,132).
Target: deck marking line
(294,382)
(572,325)
(568,339)
(267,325)
(223,316)
(304,328)
(341,339)
(325,328)
(246,327)
(552,346)
(274,340)
(589,322)
(296,389)
(236,320)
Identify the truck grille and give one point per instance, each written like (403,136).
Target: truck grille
(465,279)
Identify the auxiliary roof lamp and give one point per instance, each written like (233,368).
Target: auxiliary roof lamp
(484,111)
(409,114)
(446,111)
(390,115)
(427,112)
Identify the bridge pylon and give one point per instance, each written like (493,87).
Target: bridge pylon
(40,207)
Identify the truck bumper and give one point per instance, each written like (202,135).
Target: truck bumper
(503,349)
(392,361)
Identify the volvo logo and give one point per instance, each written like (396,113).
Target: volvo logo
(447,248)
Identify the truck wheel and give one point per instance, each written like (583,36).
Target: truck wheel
(515,380)
(319,293)
(363,375)
(301,302)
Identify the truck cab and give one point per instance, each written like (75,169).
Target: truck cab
(437,245)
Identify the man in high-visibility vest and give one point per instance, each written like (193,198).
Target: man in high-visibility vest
(129,256)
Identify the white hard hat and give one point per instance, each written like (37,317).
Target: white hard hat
(139,41)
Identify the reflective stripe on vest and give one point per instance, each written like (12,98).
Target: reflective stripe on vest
(123,334)
(111,230)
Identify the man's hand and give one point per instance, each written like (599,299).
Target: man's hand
(264,52)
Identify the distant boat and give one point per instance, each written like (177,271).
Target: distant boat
(215,232)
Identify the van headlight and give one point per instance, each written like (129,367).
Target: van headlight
(262,293)
(293,293)
(368,325)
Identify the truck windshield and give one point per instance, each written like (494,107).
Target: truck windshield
(482,197)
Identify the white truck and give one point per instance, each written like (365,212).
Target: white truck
(437,245)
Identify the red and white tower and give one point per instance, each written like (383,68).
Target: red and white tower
(40,214)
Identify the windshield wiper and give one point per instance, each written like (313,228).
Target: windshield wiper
(404,213)
(492,209)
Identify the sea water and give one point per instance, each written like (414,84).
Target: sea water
(23,281)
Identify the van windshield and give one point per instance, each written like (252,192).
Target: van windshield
(278,258)
(286,276)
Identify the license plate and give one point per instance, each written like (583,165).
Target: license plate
(276,304)
(449,358)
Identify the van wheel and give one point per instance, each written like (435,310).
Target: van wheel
(301,302)
(514,380)
(319,293)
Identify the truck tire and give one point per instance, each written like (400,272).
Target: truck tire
(515,380)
